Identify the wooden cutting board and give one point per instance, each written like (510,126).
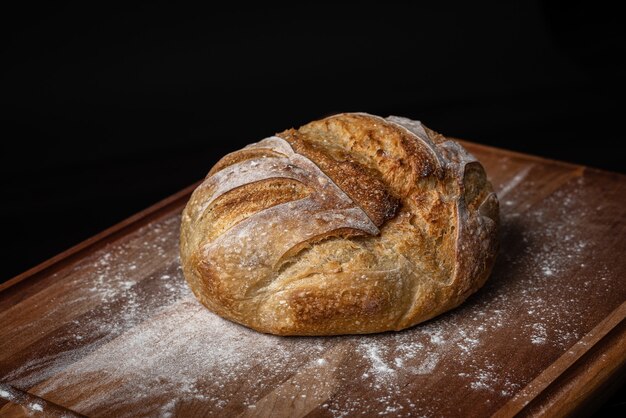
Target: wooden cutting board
(109,328)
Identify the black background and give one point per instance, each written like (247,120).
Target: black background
(106,111)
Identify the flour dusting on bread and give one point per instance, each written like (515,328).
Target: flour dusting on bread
(349,224)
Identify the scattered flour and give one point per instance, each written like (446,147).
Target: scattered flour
(539,334)
(5,395)
(379,367)
(145,334)
(515,181)
(428,365)
(35,406)
(483,380)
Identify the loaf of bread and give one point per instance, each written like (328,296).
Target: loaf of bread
(348,225)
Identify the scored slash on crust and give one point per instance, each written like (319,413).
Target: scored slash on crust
(350,224)
(278,229)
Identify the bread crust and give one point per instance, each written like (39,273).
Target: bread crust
(348,225)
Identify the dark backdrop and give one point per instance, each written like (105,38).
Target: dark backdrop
(106,111)
(109,110)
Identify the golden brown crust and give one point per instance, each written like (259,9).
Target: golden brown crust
(364,186)
(350,224)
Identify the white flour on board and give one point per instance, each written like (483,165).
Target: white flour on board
(5,395)
(167,346)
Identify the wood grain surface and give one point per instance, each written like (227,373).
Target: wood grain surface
(109,327)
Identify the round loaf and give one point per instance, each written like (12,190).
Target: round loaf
(348,225)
